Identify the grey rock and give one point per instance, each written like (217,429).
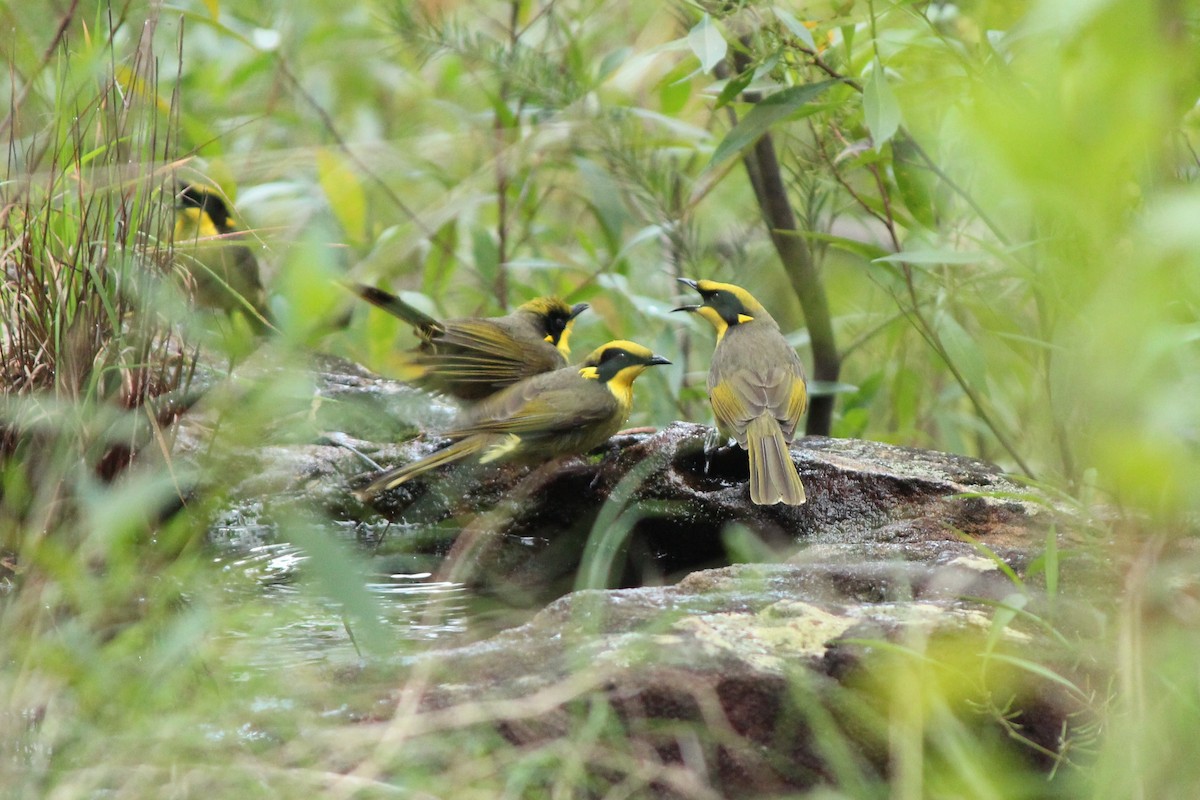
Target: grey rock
(739,678)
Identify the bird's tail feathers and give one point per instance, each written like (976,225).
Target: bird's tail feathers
(447,455)
(773,474)
(407,366)
(425,325)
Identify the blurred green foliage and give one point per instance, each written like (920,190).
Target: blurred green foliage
(1001,199)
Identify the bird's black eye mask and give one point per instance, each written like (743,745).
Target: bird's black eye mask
(209,203)
(555,324)
(611,362)
(725,304)
(557,320)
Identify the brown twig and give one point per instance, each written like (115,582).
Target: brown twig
(766,178)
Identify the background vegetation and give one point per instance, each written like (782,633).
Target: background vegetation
(995,202)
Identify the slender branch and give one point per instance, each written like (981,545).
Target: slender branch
(766,178)
(500,285)
(821,64)
(849,189)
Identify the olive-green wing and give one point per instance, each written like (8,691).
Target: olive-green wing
(483,351)
(225,275)
(730,408)
(787,398)
(558,407)
(742,395)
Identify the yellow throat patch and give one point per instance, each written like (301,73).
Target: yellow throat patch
(621,384)
(192,224)
(562,345)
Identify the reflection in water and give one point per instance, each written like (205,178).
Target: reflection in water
(308,628)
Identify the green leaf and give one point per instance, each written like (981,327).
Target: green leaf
(880,106)
(990,554)
(766,113)
(852,423)
(914,181)
(338,574)
(534,264)
(743,545)
(796,27)
(1006,611)
(734,87)
(609,538)
(961,349)
(933,257)
(1051,562)
(1037,669)
(867,250)
(612,62)
(345,194)
(673,95)
(707,43)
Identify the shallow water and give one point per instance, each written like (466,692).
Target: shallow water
(305,625)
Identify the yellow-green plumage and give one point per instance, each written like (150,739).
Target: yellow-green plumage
(756,387)
(207,244)
(564,412)
(474,357)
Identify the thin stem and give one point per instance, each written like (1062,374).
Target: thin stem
(766,178)
(55,41)
(331,128)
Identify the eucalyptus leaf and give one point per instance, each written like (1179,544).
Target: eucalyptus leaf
(707,43)
(880,106)
(733,87)
(766,113)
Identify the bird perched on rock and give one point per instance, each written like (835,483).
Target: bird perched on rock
(564,412)
(756,387)
(224,272)
(473,357)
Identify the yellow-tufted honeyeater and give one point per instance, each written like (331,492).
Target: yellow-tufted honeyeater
(564,412)
(474,357)
(223,271)
(756,387)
